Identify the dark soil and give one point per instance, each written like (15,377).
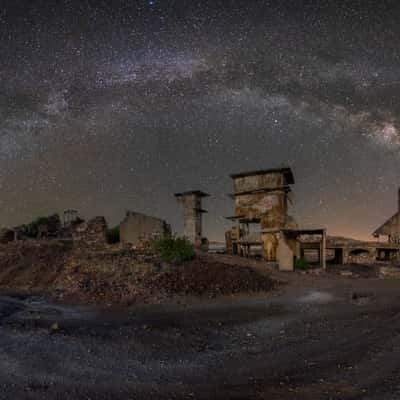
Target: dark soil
(315,340)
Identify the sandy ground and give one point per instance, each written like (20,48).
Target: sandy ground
(316,338)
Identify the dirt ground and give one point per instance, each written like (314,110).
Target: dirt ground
(317,337)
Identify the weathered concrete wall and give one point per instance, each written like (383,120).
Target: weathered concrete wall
(192,226)
(270,207)
(269,246)
(285,255)
(287,250)
(361,256)
(192,215)
(137,227)
(255,182)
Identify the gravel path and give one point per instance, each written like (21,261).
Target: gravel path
(327,339)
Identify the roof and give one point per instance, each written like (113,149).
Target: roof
(286,189)
(380,230)
(198,193)
(286,171)
(296,232)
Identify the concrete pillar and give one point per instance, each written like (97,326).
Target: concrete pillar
(192,214)
(323,250)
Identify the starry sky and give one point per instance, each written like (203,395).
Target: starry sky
(107,106)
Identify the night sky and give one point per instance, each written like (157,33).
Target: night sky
(107,106)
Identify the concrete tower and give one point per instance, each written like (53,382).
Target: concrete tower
(192,213)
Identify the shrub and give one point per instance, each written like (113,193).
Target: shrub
(174,250)
(302,264)
(113,235)
(32,229)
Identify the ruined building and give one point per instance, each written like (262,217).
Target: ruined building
(92,233)
(193,212)
(261,219)
(261,197)
(391,228)
(137,228)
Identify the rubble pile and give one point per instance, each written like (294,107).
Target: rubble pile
(202,278)
(32,265)
(91,234)
(74,272)
(391,272)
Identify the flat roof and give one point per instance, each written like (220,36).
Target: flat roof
(286,189)
(198,193)
(315,231)
(286,171)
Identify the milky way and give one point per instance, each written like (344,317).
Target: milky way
(110,106)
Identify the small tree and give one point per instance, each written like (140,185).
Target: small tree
(302,264)
(32,229)
(174,249)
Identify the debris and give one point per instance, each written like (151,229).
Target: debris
(389,272)
(91,273)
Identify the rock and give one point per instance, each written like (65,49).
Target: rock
(54,327)
(389,272)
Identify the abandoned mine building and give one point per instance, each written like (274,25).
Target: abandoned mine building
(262,220)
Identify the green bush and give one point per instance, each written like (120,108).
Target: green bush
(174,250)
(32,229)
(302,264)
(113,235)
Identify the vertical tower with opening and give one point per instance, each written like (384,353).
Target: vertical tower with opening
(193,212)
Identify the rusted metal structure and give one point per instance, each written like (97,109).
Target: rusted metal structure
(193,212)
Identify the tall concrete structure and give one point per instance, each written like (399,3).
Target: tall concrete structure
(261,197)
(261,200)
(192,213)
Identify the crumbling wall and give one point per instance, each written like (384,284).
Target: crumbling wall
(92,233)
(138,229)
(361,256)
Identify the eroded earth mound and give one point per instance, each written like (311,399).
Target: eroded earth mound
(117,276)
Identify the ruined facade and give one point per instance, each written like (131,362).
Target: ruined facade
(391,228)
(261,197)
(137,228)
(192,213)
